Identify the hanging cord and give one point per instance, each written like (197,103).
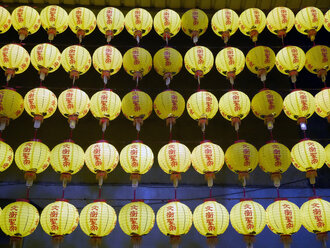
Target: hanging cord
(271,134)
(244,192)
(134,194)
(137,135)
(170,134)
(73,80)
(28,192)
(100,191)
(210,192)
(304,132)
(103,135)
(40,83)
(137,83)
(203,135)
(314,190)
(237,135)
(278,192)
(70,134)
(63,191)
(174,193)
(294,85)
(35,133)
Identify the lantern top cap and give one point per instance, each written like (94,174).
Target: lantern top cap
(205,141)
(281,199)
(102,141)
(209,199)
(271,141)
(36,140)
(174,141)
(304,139)
(173,200)
(99,200)
(9,88)
(239,141)
(137,200)
(137,141)
(263,89)
(69,140)
(245,199)
(62,199)
(22,200)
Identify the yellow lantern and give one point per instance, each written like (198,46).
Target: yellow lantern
(105,106)
(318,61)
(6,156)
(167,23)
(234,106)
(73,104)
(40,103)
(107,60)
(11,106)
(194,23)
(211,219)
(174,158)
(137,159)
(274,158)
(5,20)
(241,158)
(225,23)
(174,219)
(138,22)
(54,20)
(267,105)
(26,20)
(67,159)
(202,106)
(101,158)
(280,21)
(137,106)
(322,103)
(208,159)
(14,59)
(299,105)
(308,156)
(33,157)
(327,155)
(230,61)
(327,20)
(290,60)
(309,20)
(110,22)
(252,22)
(167,63)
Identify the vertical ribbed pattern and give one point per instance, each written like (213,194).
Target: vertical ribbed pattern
(169,103)
(105,104)
(309,18)
(47,56)
(327,155)
(327,20)
(82,19)
(299,103)
(198,58)
(14,57)
(230,59)
(73,102)
(234,103)
(266,103)
(167,20)
(194,20)
(6,156)
(5,20)
(110,19)
(224,20)
(280,18)
(138,19)
(137,59)
(54,16)
(317,58)
(202,104)
(11,103)
(29,19)
(167,60)
(322,103)
(136,104)
(290,58)
(107,58)
(76,58)
(252,19)
(260,57)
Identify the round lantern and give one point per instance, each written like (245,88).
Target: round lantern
(107,61)
(280,21)
(11,106)
(40,103)
(174,219)
(73,104)
(5,20)
(105,106)
(309,20)
(327,155)
(230,61)
(174,158)
(137,106)
(234,106)
(167,23)
(241,158)
(136,159)
(54,20)
(33,157)
(274,158)
(322,103)
(138,22)
(327,20)
(211,219)
(267,105)
(299,105)
(6,156)
(251,23)
(194,23)
(136,219)
(14,59)
(308,156)
(67,159)
(110,22)
(202,106)
(167,63)
(26,20)
(101,158)
(225,23)
(318,61)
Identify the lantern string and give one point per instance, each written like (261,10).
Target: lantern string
(282,37)
(203,133)
(73,80)
(271,134)
(170,132)
(137,83)
(27,193)
(210,192)
(174,193)
(63,191)
(103,134)
(35,133)
(134,194)
(278,192)
(100,192)
(237,135)
(70,134)
(0,134)
(294,86)
(40,83)
(264,84)
(305,135)
(314,190)
(137,135)
(244,192)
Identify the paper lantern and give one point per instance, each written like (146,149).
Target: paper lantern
(280,21)
(105,106)
(322,107)
(26,20)
(67,159)
(73,104)
(138,22)
(299,105)
(174,219)
(11,106)
(318,61)
(101,158)
(225,23)
(309,20)
(54,20)
(230,61)
(234,106)
(202,106)
(241,158)
(167,23)
(208,159)
(308,156)
(14,59)
(327,155)
(33,157)
(5,20)
(167,63)
(110,22)
(136,159)
(40,103)
(327,20)
(6,156)
(194,23)
(174,158)
(136,106)
(267,105)
(252,22)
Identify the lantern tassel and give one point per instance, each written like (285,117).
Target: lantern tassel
(105,79)
(175,241)
(167,81)
(195,39)
(30,176)
(100,176)
(108,39)
(57,240)
(95,242)
(225,36)
(236,121)
(209,176)
(4,121)
(242,176)
(249,240)
(211,241)
(311,175)
(135,177)
(16,242)
(276,178)
(136,241)
(302,121)
(65,178)
(323,238)
(286,240)
(8,77)
(175,177)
